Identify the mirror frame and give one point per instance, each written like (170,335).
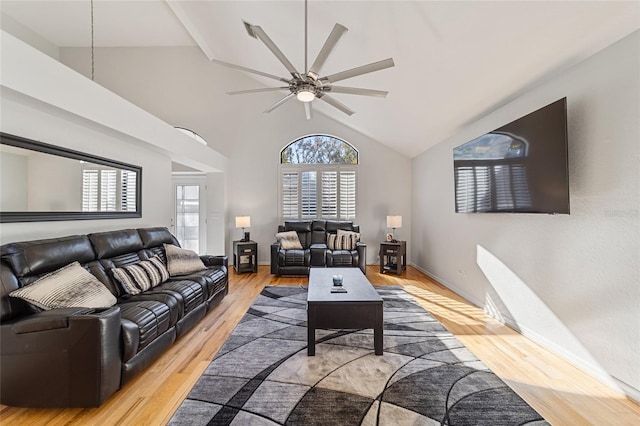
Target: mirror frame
(20,142)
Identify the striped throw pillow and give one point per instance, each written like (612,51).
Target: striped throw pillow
(162,270)
(71,286)
(343,240)
(127,280)
(141,276)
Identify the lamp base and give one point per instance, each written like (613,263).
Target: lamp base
(247,236)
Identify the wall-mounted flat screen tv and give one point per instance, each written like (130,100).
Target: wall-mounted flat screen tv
(522,167)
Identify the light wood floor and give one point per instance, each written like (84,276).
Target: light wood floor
(563,394)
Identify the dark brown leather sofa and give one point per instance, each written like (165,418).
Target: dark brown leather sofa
(313,238)
(78,357)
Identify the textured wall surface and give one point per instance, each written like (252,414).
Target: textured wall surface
(571,282)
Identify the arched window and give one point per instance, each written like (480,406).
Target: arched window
(318,179)
(191,134)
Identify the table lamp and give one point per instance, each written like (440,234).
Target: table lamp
(394,222)
(244,222)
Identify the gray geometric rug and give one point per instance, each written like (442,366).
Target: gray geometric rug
(263,376)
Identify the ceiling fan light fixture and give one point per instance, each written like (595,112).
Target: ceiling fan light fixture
(305,95)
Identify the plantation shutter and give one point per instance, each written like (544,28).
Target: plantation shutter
(348,194)
(89,190)
(309,194)
(481,188)
(127,191)
(108,190)
(330,194)
(290,194)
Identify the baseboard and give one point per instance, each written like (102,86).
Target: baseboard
(595,371)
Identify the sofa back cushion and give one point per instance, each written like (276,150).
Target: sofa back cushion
(156,237)
(333,226)
(30,259)
(303,228)
(319,232)
(115,243)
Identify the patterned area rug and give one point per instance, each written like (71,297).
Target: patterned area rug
(263,376)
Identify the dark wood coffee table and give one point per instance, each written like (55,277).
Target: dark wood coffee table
(360,307)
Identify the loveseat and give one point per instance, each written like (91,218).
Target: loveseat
(78,357)
(315,250)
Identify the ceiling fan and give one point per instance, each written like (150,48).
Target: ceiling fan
(309,85)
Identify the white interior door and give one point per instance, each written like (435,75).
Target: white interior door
(189,223)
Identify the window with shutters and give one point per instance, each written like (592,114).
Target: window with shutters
(318,179)
(491,174)
(108,190)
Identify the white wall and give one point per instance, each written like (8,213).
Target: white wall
(13,182)
(182,87)
(44,100)
(55,183)
(571,282)
(34,120)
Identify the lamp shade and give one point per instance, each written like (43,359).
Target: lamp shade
(243,221)
(394,221)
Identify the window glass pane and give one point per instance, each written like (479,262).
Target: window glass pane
(191,192)
(188,216)
(319,149)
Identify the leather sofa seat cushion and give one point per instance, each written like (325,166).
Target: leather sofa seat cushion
(293,257)
(342,258)
(142,322)
(190,293)
(212,280)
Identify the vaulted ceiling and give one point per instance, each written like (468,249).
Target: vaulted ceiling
(455,61)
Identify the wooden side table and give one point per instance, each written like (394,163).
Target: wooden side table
(393,256)
(245,256)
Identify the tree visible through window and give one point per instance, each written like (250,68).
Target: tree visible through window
(318,179)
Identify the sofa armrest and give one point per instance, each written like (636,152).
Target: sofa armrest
(362,256)
(210,260)
(275,247)
(61,358)
(48,320)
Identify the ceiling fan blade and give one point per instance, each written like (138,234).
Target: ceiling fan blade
(355,91)
(264,89)
(307,110)
(333,39)
(280,102)
(364,69)
(241,68)
(336,104)
(258,32)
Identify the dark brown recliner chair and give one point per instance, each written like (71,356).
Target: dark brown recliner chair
(315,253)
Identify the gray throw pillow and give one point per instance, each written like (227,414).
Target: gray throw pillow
(182,261)
(289,240)
(71,286)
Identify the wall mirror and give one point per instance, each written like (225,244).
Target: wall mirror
(42,182)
